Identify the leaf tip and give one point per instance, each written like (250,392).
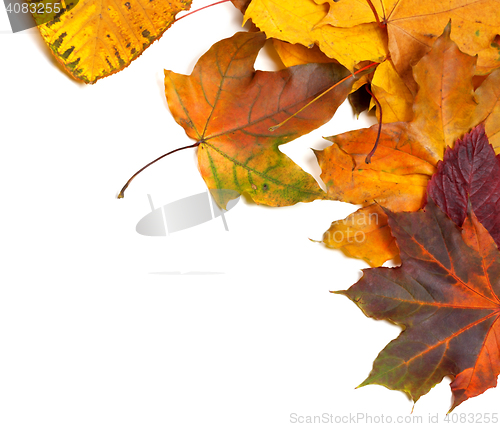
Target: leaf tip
(362,384)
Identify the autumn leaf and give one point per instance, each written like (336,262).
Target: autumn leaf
(348,31)
(488,109)
(296,54)
(445,295)
(395,98)
(470,171)
(360,100)
(228,107)
(413,27)
(46,10)
(396,179)
(299,24)
(296,21)
(349,13)
(413,30)
(94,39)
(446,107)
(445,103)
(364,234)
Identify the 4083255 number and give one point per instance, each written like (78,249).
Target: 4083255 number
(35,8)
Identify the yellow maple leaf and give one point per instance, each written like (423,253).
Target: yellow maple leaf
(297,54)
(407,29)
(348,13)
(395,98)
(296,21)
(414,25)
(488,108)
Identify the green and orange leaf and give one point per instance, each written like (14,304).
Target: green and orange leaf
(229,107)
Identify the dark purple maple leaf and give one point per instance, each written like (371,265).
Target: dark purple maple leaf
(470,169)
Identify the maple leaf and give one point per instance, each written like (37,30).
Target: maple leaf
(445,108)
(94,39)
(446,297)
(396,178)
(488,108)
(402,30)
(413,27)
(470,171)
(396,100)
(474,27)
(296,21)
(299,24)
(296,54)
(445,103)
(228,107)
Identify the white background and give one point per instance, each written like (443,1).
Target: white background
(89,336)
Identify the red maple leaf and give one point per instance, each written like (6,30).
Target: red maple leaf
(469,170)
(446,296)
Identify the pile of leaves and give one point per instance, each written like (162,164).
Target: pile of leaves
(428,171)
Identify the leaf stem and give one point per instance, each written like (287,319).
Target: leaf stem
(122,192)
(273,128)
(368,158)
(201,8)
(380,24)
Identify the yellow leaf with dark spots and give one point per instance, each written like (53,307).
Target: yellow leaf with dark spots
(96,38)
